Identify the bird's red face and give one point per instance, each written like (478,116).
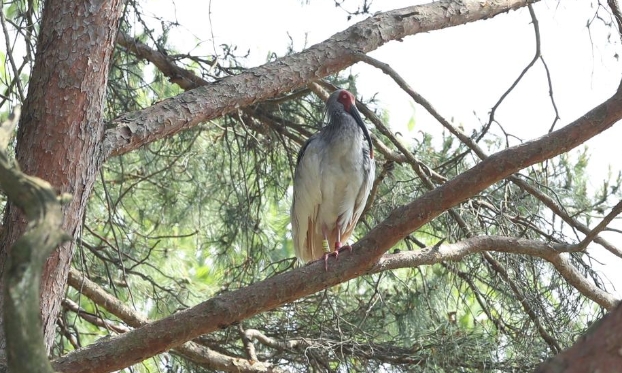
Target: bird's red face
(346,99)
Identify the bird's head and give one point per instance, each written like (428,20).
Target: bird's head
(347,100)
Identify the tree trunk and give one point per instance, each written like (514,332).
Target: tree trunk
(60,133)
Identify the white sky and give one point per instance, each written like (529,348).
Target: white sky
(462,71)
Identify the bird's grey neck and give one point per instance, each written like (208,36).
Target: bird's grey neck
(342,128)
(338,119)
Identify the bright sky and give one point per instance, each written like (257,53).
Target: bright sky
(462,71)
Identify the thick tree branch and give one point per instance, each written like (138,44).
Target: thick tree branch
(598,350)
(170,116)
(554,253)
(227,308)
(192,351)
(471,144)
(187,80)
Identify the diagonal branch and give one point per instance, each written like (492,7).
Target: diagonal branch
(184,78)
(598,350)
(192,351)
(471,144)
(186,110)
(228,308)
(188,80)
(615,211)
(531,63)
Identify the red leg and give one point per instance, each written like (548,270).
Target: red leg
(338,247)
(326,255)
(334,253)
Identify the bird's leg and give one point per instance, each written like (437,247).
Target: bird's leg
(325,244)
(325,247)
(338,245)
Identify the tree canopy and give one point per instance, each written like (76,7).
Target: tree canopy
(476,251)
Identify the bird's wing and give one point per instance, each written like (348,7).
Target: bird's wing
(361,197)
(307,198)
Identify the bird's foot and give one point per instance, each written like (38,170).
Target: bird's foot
(326,255)
(338,248)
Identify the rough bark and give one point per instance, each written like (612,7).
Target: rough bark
(598,350)
(328,57)
(198,354)
(25,349)
(228,308)
(61,129)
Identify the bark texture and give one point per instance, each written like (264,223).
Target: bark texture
(272,79)
(599,350)
(60,133)
(25,349)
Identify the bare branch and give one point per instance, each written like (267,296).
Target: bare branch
(186,79)
(615,211)
(93,319)
(331,56)
(565,267)
(537,55)
(271,342)
(102,298)
(249,347)
(554,253)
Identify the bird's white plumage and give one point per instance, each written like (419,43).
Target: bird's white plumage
(332,181)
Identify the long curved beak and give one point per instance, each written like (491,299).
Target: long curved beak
(357,117)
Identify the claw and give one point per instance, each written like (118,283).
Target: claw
(326,255)
(348,247)
(338,248)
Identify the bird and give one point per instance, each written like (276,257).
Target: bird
(333,177)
